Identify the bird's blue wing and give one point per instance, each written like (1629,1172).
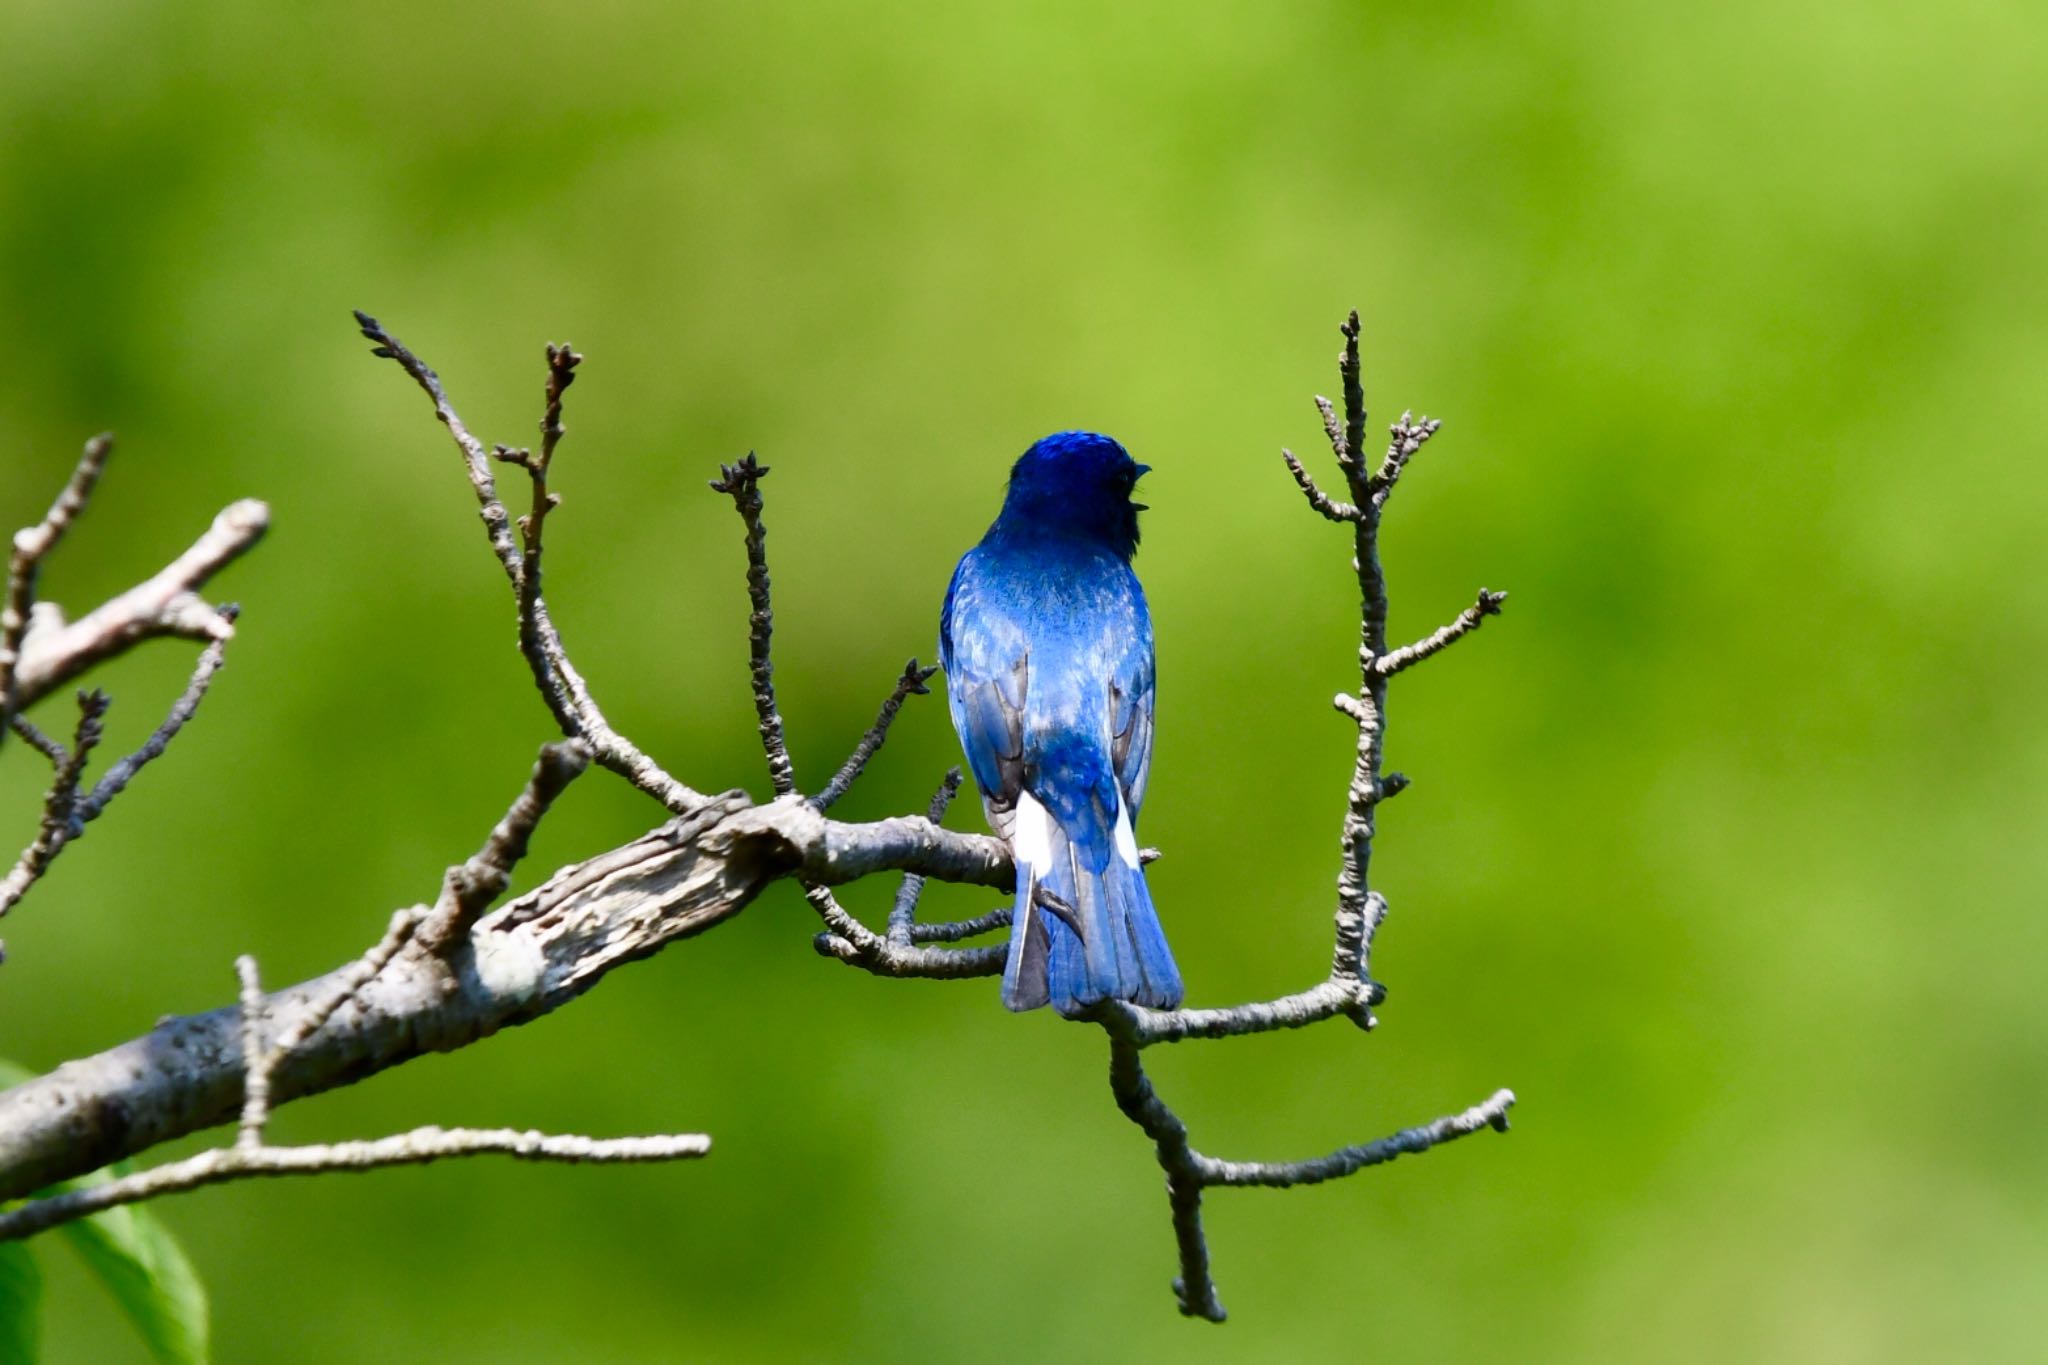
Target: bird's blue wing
(987,662)
(987,659)
(1131,691)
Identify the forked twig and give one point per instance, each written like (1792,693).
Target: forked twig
(568,697)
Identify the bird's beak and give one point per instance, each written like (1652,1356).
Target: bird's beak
(1143,470)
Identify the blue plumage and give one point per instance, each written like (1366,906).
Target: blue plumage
(1047,647)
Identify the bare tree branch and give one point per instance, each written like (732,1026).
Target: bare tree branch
(415,1148)
(38,652)
(880,957)
(31,546)
(469,888)
(1349,990)
(1189,1172)
(116,779)
(1194,1288)
(903,914)
(1333,428)
(466,890)
(1317,498)
(562,363)
(66,810)
(258,1062)
(53,653)
(952,931)
(342,986)
(845,938)
(37,740)
(62,820)
(561,686)
(446,977)
(1490,1113)
(1468,620)
(1348,371)
(1408,437)
(853,943)
(528,957)
(911,684)
(742,483)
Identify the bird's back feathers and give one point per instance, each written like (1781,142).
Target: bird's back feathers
(1047,646)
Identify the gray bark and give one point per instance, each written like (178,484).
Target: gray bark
(530,956)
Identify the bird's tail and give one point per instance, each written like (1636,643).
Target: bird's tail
(1083,929)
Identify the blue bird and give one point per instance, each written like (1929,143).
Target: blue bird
(1047,647)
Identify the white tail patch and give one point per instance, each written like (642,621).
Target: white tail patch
(1126,842)
(1031,837)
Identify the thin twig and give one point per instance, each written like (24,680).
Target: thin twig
(903,914)
(550,945)
(534,954)
(1189,1172)
(879,957)
(61,821)
(852,942)
(1317,498)
(911,684)
(43,744)
(1349,989)
(1333,428)
(1468,620)
(470,887)
(1409,436)
(117,777)
(952,931)
(167,604)
(1348,371)
(344,986)
(61,805)
(31,545)
(567,696)
(562,363)
(66,810)
(251,1156)
(257,1061)
(1140,1103)
(1324,1000)
(742,483)
(414,1148)
(497,521)
(1491,1113)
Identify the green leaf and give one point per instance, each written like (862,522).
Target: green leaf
(21,1303)
(149,1275)
(132,1253)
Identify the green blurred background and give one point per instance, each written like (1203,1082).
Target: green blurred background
(1725,846)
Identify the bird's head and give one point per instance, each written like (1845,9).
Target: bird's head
(1077,483)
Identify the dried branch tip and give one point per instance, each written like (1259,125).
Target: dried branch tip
(470,887)
(1408,436)
(911,684)
(561,686)
(1487,604)
(1317,498)
(1349,990)
(741,479)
